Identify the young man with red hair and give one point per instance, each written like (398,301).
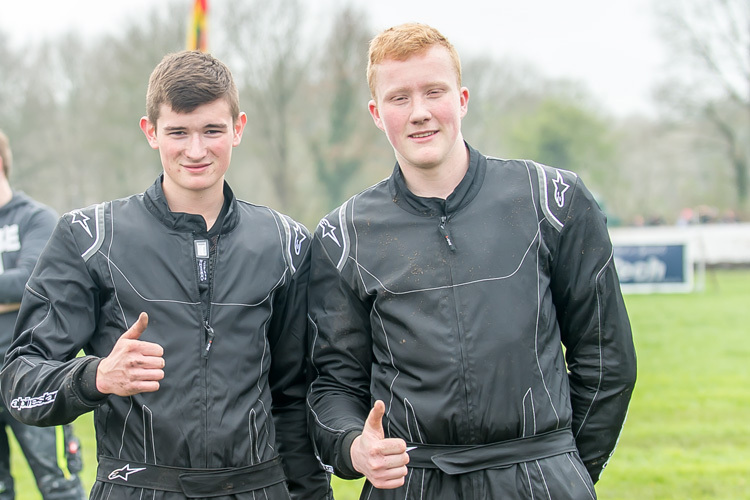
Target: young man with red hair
(440,299)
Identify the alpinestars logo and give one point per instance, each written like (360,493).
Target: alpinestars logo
(25,403)
(124,472)
(560,189)
(299,237)
(82,219)
(329,231)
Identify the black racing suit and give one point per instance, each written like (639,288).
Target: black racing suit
(229,308)
(453,312)
(25,227)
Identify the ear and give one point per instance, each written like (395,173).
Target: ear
(464,101)
(149,130)
(239,127)
(375,113)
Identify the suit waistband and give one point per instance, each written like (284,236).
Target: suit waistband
(457,459)
(193,483)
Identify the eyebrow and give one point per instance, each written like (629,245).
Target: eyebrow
(208,125)
(407,88)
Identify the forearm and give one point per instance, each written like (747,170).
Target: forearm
(603,374)
(305,475)
(43,393)
(336,421)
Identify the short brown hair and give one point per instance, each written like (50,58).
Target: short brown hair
(6,154)
(403,41)
(188,79)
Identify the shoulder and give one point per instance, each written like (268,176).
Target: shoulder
(296,241)
(556,192)
(333,227)
(87,227)
(361,204)
(554,187)
(28,208)
(334,231)
(263,215)
(293,237)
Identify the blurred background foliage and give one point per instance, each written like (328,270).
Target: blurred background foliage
(71,107)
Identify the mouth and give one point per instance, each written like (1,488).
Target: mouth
(196,167)
(422,135)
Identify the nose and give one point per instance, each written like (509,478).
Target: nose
(196,149)
(420,111)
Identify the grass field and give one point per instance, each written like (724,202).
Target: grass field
(687,436)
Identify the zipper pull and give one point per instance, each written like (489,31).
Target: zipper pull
(445,233)
(209,338)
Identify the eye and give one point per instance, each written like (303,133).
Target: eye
(214,130)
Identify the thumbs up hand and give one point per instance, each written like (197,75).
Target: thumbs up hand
(133,366)
(383,461)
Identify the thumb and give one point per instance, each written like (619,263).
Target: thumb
(135,331)
(374,423)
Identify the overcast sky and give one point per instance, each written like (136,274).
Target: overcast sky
(610,45)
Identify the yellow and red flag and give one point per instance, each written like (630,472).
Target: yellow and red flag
(198,27)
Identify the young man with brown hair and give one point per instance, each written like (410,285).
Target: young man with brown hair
(440,298)
(190,306)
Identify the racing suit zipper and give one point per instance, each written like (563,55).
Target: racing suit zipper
(209,338)
(446,234)
(205,254)
(210,334)
(464,370)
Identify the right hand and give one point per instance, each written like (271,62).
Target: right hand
(134,366)
(383,461)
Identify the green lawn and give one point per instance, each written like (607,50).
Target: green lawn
(687,436)
(688,432)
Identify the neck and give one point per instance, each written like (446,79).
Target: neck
(439,181)
(207,203)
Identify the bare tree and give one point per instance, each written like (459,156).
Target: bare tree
(119,156)
(500,91)
(710,74)
(75,109)
(269,58)
(343,140)
(13,69)
(34,122)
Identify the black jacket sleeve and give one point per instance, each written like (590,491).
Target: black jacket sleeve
(594,328)
(288,339)
(339,397)
(41,378)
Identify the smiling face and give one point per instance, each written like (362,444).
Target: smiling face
(195,148)
(419,106)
